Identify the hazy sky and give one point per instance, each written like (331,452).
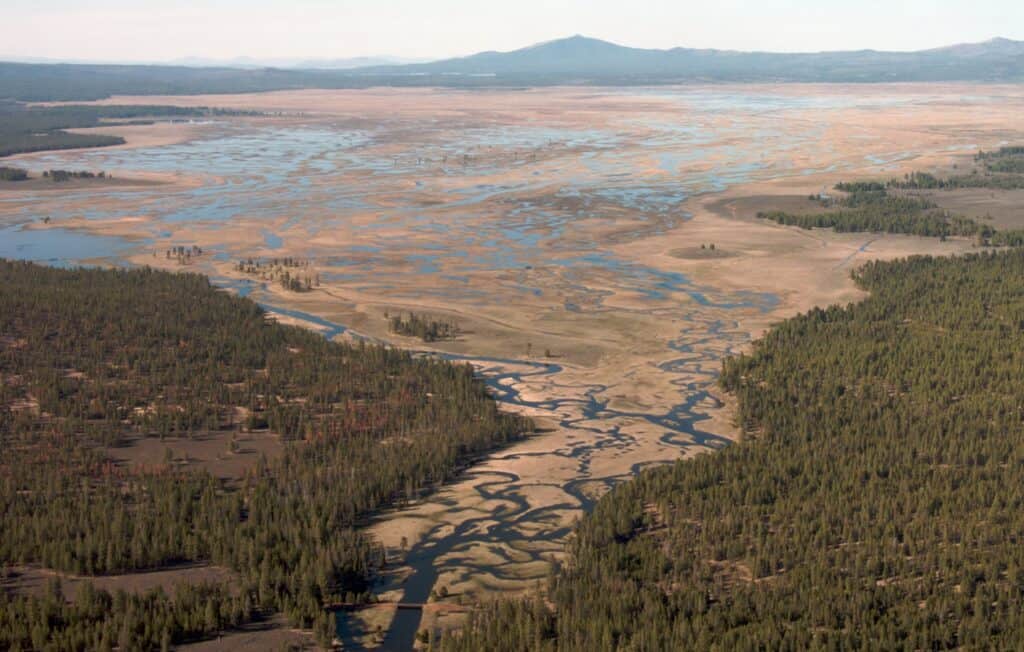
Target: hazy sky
(135,30)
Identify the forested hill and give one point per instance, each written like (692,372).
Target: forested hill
(574,60)
(876,502)
(93,361)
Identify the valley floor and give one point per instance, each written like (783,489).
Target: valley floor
(566,231)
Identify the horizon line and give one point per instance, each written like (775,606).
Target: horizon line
(291,61)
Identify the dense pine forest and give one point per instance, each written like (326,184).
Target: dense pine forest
(875,210)
(872,206)
(1001,169)
(26,128)
(94,359)
(875,501)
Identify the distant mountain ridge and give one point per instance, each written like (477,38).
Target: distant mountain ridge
(590,59)
(574,60)
(298,63)
(307,63)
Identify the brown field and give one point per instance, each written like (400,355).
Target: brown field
(272,634)
(209,452)
(1003,209)
(31,580)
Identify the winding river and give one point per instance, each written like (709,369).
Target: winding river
(597,427)
(510,215)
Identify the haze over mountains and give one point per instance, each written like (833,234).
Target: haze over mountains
(339,63)
(574,60)
(300,63)
(592,59)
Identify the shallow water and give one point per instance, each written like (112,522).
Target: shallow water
(59,247)
(505,192)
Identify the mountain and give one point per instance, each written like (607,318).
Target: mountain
(574,60)
(346,63)
(350,62)
(587,60)
(992,47)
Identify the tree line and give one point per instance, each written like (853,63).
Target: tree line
(93,358)
(1001,169)
(30,128)
(869,206)
(876,500)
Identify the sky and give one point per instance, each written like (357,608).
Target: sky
(165,30)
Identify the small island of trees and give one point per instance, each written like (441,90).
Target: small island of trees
(292,274)
(424,327)
(12,174)
(59,176)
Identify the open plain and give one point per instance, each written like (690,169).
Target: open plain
(598,249)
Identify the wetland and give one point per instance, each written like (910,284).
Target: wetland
(566,232)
